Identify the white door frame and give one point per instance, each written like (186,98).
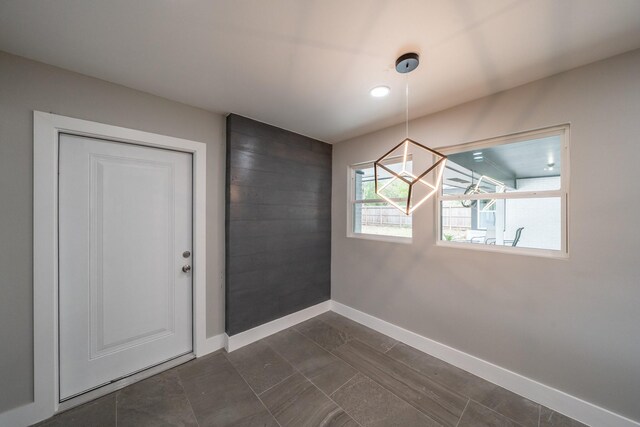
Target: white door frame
(46,128)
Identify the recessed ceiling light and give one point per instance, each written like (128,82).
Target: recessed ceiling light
(380,91)
(477,153)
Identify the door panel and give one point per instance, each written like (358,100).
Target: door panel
(125,220)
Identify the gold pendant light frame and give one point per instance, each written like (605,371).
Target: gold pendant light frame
(409,178)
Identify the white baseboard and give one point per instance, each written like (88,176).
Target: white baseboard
(23,416)
(557,400)
(237,341)
(212,344)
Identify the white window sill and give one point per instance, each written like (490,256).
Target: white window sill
(544,253)
(381,238)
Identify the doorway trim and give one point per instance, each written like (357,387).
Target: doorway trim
(46,129)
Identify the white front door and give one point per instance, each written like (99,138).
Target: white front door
(125,230)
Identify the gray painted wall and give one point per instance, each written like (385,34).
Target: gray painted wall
(278,256)
(571,324)
(26,86)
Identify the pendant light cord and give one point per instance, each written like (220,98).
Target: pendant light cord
(407,105)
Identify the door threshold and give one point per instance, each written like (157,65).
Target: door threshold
(103,390)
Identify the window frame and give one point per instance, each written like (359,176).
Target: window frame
(479,213)
(563,192)
(351,202)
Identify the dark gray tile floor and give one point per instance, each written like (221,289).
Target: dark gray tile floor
(327,371)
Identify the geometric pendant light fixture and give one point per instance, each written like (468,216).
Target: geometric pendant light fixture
(395,180)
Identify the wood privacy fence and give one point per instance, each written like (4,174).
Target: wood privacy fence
(452,217)
(456,217)
(384,215)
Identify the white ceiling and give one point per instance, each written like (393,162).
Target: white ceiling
(307,66)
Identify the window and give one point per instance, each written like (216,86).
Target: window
(369,215)
(507,194)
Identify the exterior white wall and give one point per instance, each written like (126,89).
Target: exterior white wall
(571,324)
(541,218)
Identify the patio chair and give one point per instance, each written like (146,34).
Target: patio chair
(516,239)
(489,237)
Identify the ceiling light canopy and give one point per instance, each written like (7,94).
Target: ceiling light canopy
(380,91)
(407,63)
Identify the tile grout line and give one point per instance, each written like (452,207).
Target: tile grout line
(251,388)
(437,381)
(323,349)
(187,397)
(337,404)
(265,407)
(390,348)
(318,388)
(351,337)
(276,384)
(539,413)
(347,340)
(346,382)
(493,410)
(465,408)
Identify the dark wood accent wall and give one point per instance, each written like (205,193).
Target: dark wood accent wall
(278,223)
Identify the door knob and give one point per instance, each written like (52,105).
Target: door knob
(186,268)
